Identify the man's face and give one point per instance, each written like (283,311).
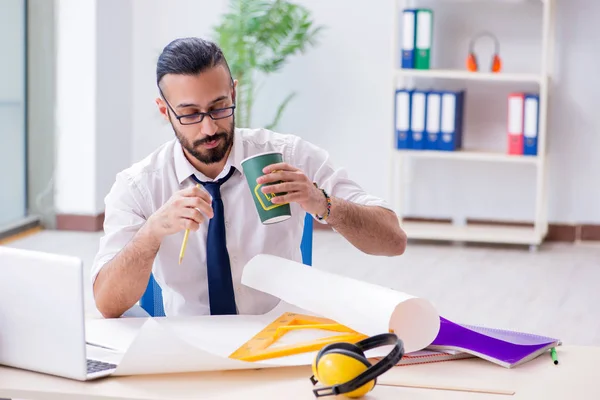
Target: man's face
(210,140)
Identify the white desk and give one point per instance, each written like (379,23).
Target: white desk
(575,377)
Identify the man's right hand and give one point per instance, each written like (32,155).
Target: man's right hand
(122,280)
(184,210)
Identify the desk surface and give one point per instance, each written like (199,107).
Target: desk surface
(575,377)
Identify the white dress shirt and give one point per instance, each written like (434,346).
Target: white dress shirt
(144,187)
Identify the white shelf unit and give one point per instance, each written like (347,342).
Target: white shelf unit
(459,231)
(467,155)
(467,75)
(471,233)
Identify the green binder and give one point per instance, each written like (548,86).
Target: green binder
(423,38)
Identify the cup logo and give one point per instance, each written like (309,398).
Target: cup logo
(265,198)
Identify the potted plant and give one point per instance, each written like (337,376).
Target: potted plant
(258,37)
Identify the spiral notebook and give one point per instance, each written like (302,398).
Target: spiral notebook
(503,347)
(432,356)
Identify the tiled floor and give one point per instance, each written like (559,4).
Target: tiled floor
(554,291)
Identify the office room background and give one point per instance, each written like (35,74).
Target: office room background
(77,105)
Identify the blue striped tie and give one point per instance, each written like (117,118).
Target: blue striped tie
(218,268)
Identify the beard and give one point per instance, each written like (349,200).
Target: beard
(208,156)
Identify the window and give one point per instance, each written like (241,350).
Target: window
(13,68)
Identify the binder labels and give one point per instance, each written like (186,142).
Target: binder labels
(429,120)
(417,38)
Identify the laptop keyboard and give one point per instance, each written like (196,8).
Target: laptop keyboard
(97,366)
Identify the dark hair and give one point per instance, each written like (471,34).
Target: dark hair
(189,56)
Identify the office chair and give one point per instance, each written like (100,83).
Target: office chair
(152,301)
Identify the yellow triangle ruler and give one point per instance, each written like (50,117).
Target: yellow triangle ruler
(257,348)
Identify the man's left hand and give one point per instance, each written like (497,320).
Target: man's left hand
(296,185)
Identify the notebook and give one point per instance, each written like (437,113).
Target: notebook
(506,348)
(431,356)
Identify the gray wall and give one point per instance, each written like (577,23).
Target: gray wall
(114,122)
(41,109)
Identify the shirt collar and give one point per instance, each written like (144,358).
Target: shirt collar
(184,169)
(237,151)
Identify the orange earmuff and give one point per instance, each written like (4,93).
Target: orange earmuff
(472,63)
(496,64)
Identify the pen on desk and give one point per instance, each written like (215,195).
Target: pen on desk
(553,354)
(185,240)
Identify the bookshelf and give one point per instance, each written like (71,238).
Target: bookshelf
(458,229)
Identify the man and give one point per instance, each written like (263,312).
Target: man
(153,202)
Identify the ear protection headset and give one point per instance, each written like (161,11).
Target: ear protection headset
(344,369)
(472,64)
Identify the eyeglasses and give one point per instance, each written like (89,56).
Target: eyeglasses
(196,118)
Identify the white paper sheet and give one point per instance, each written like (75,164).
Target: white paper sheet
(157,350)
(117,333)
(203,343)
(170,345)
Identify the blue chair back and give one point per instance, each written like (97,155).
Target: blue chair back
(152,300)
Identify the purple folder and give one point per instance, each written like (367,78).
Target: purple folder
(506,348)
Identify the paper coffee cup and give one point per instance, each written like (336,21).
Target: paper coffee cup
(268,212)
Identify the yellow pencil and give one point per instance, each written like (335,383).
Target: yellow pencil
(183,245)
(185,240)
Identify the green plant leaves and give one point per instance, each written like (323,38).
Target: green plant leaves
(259,37)
(280,110)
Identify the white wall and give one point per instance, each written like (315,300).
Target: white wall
(154,26)
(344,100)
(343,89)
(575,120)
(325,110)
(75,191)
(94,122)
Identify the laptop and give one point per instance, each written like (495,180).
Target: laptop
(42,318)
